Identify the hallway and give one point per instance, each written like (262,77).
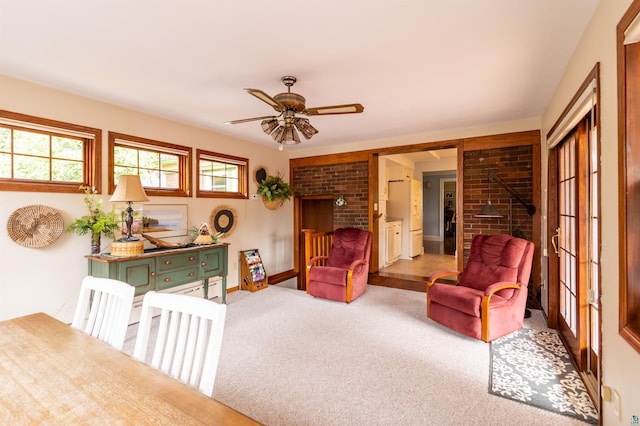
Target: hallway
(413,274)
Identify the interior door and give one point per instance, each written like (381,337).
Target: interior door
(574,274)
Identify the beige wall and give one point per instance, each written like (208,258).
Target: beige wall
(620,363)
(47,280)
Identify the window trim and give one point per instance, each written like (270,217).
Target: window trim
(92,158)
(184,169)
(243,176)
(628,199)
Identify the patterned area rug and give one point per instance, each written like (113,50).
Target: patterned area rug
(533,367)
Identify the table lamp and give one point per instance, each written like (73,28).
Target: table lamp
(128,190)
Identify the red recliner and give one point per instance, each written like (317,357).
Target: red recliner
(490,298)
(344,277)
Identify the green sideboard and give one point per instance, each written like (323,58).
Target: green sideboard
(161,269)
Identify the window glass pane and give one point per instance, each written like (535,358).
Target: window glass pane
(70,149)
(149,160)
(219,183)
(30,143)
(170,179)
(232,171)
(33,168)
(232,185)
(66,171)
(5,139)
(5,165)
(125,156)
(150,178)
(205,183)
(205,168)
(169,162)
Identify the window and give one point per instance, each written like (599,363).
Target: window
(222,176)
(628,46)
(164,168)
(38,154)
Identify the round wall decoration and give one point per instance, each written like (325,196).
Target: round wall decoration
(35,226)
(223,219)
(260,174)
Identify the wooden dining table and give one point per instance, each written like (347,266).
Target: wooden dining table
(51,373)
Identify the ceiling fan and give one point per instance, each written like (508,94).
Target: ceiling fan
(282,127)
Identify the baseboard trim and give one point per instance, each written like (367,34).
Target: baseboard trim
(282,276)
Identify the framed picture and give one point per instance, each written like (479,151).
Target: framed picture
(164,220)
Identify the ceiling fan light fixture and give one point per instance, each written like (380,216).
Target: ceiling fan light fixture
(284,128)
(303,125)
(278,133)
(289,136)
(268,126)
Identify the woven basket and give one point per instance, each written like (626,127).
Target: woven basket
(129,248)
(35,226)
(272,205)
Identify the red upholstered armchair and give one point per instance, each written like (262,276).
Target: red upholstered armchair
(490,297)
(344,276)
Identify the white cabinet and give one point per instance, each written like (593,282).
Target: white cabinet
(400,172)
(394,241)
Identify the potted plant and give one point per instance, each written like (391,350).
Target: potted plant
(97,222)
(274,191)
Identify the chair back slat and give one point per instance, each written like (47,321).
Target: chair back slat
(103,309)
(189,337)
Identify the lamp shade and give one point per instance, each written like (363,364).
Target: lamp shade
(489,211)
(129,188)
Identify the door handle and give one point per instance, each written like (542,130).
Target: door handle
(555,239)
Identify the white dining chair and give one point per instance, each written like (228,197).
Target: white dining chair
(103,309)
(189,337)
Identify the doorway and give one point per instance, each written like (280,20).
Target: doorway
(574,230)
(437,170)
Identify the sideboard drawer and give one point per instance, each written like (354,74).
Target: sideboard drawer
(176,261)
(177,277)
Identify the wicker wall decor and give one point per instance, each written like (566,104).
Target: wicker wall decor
(223,219)
(35,226)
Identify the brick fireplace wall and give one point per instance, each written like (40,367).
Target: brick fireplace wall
(351,180)
(514,166)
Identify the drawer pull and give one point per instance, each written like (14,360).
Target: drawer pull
(203,264)
(191,258)
(153,274)
(167,262)
(166,280)
(191,274)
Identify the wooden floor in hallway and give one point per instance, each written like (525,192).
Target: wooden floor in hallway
(412,274)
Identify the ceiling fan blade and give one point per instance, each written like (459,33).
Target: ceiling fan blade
(266,98)
(335,109)
(246,120)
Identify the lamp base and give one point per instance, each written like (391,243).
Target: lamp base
(127,248)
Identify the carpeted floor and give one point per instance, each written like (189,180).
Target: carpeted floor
(290,359)
(533,366)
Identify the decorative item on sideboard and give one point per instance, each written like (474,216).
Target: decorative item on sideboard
(97,222)
(129,189)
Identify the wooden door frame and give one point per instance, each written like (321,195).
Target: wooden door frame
(462,145)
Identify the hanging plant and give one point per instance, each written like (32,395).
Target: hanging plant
(274,191)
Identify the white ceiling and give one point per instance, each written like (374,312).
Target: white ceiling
(417,66)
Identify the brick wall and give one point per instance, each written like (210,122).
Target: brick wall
(351,180)
(514,166)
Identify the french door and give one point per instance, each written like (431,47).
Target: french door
(575,272)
